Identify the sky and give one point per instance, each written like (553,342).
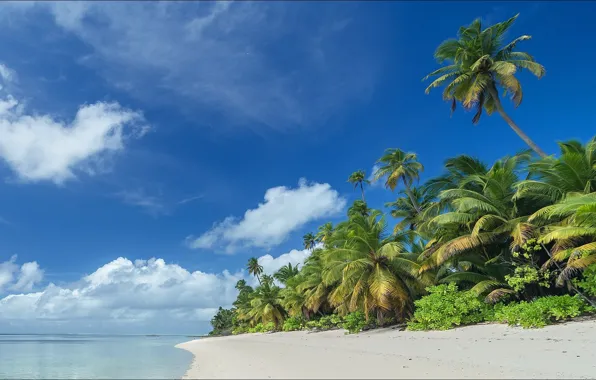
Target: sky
(148,149)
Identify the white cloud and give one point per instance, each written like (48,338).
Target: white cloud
(122,292)
(371,177)
(41,147)
(152,204)
(224,56)
(284,210)
(6,74)
(146,296)
(15,278)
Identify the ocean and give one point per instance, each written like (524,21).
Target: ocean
(92,357)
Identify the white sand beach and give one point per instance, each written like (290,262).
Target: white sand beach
(483,351)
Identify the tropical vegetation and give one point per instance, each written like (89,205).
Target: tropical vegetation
(512,241)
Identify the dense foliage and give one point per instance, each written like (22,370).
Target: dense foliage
(512,242)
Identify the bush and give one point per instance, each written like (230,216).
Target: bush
(588,281)
(446,307)
(326,322)
(355,322)
(542,311)
(293,324)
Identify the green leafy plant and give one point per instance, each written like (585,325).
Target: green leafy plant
(588,282)
(542,311)
(293,324)
(355,322)
(446,307)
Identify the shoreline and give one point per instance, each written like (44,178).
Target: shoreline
(565,350)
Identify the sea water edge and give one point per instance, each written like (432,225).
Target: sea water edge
(90,356)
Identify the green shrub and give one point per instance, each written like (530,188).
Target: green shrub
(446,307)
(326,322)
(270,326)
(588,281)
(293,324)
(354,322)
(258,328)
(542,311)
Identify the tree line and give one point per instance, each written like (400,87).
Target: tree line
(505,241)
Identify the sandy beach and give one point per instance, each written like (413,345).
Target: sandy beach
(483,351)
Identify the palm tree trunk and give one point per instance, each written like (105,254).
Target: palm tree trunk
(411,196)
(516,129)
(362,190)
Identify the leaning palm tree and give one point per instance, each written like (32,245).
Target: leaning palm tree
(397,165)
(309,240)
(372,272)
(358,179)
(479,64)
(254,268)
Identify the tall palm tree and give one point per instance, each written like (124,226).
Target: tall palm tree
(309,241)
(254,268)
(358,179)
(372,271)
(324,233)
(398,165)
(478,64)
(286,272)
(266,305)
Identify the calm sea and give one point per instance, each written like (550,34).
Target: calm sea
(92,357)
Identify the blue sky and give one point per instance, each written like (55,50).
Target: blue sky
(201,134)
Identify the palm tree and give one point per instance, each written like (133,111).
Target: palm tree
(479,64)
(286,272)
(358,208)
(255,268)
(324,233)
(265,304)
(309,241)
(358,179)
(372,272)
(398,165)
(574,171)
(406,210)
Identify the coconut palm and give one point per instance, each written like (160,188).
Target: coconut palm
(358,179)
(397,165)
(324,233)
(483,226)
(478,65)
(286,272)
(310,283)
(358,208)
(372,272)
(309,240)
(265,304)
(574,171)
(254,268)
(404,208)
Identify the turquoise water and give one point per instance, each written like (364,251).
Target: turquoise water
(92,357)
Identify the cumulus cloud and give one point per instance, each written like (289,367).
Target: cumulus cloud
(225,56)
(41,147)
(144,295)
(123,292)
(371,177)
(19,278)
(284,210)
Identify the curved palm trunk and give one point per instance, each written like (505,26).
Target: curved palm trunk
(516,129)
